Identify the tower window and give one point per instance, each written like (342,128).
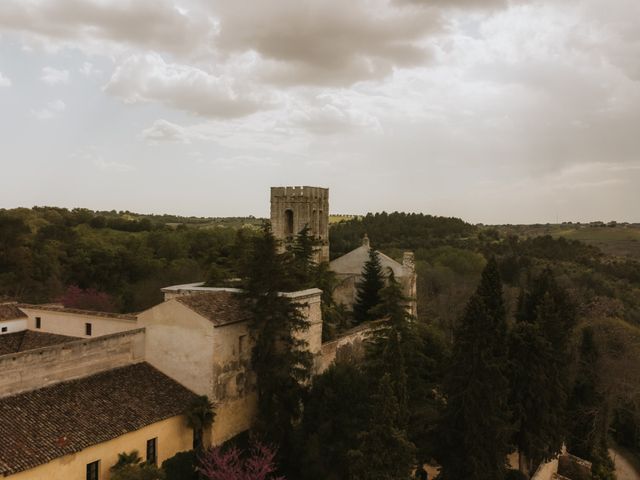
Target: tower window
(87,329)
(288,222)
(38,322)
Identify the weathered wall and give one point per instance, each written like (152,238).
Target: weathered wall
(348,346)
(13,325)
(65,322)
(38,368)
(172,434)
(309,206)
(179,343)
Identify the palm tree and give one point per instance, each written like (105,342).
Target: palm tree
(200,415)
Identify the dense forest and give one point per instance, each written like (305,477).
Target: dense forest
(558,319)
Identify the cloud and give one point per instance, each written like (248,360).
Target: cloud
(52,110)
(53,76)
(88,69)
(328,114)
(329,42)
(165,131)
(116,167)
(148,78)
(97,24)
(4,81)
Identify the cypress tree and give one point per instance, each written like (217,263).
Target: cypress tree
(368,290)
(279,357)
(475,425)
(384,452)
(540,380)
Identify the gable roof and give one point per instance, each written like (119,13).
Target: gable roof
(28,340)
(10,311)
(219,307)
(39,426)
(353,262)
(78,311)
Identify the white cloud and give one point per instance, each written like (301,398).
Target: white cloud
(52,110)
(87,69)
(165,131)
(53,76)
(148,78)
(116,167)
(4,81)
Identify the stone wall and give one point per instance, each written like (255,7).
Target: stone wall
(348,346)
(38,368)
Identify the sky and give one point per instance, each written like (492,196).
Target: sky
(494,111)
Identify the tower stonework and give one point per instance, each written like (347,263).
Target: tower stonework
(294,207)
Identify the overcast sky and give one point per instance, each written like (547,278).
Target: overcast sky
(494,111)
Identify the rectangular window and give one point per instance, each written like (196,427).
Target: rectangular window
(87,329)
(4,329)
(93,470)
(38,322)
(152,451)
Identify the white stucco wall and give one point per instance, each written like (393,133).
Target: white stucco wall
(73,324)
(13,325)
(179,343)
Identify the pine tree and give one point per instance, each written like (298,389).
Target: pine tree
(368,290)
(475,425)
(302,266)
(279,358)
(384,452)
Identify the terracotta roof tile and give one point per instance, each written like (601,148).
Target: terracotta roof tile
(10,311)
(42,425)
(219,307)
(28,340)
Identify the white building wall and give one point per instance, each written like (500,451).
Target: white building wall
(12,326)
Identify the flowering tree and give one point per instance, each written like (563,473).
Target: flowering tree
(231,464)
(89,299)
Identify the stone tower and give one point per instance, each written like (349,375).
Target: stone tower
(294,207)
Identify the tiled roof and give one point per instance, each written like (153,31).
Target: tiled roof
(92,313)
(10,311)
(353,262)
(42,425)
(219,307)
(28,340)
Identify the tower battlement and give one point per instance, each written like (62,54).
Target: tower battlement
(294,207)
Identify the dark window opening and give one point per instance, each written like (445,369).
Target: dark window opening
(152,451)
(93,470)
(38,322)
(288,222)
(4,329)
(87,329)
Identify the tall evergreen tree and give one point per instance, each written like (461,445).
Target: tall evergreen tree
(368,289)
(302,266)
(588,421)
(540,388)
(532,401)
(279,358)
(383,452)
(475,425)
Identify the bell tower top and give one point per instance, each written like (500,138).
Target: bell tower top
(294,207)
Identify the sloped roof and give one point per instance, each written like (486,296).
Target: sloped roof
(28,340)
(219,307)
(10,311)
(353,262)
(42,425)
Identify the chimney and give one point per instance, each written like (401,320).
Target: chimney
(365,241)
(408,261)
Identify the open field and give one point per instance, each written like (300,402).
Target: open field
(617,240)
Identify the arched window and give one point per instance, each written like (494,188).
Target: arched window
(288,222)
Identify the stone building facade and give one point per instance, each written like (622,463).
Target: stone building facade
(294,207)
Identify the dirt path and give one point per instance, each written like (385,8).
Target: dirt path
(626,466)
